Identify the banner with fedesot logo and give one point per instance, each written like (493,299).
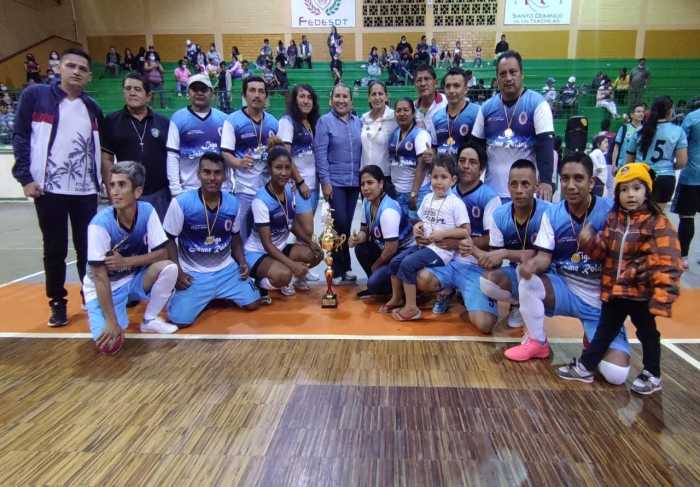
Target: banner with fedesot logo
(323,13)
(542,12)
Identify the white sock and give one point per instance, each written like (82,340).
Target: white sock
(494,291)
(614,374)
(532,307)
(266,284)
(160,292)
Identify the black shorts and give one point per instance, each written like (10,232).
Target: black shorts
(686,202)
(254,270)
(663,188)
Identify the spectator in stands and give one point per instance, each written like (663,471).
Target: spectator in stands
(406,67)
(31,67)
(639,77)
(480,93)
(477,57)
(112,61)
(404,46)
(377,126)
(568,96)
(137,133)
(621,85)
(332,41)
(600,76)
(223,87)
(236,68)
(516,124)
(625,135)
(140,60)
(265,54)
(213,56)
(434,52)
(182,74)
(281,78)
(502,46)
(52,77)
(550,92)
(129,61)
(457,54)
(292,53)
(281,52)
(336,69)
(600,165)
(373,57)
(7,123)
(471,79)
(5,96)
(384,59)
(200,60)
(393,60)
(235,54)
(247,72)
(338,152)
(54,62)
(191,51)
(152,50)
(422,51)
(213,71)
(56,146)
(305,51)
(268,76)
(604,97)
(153,71)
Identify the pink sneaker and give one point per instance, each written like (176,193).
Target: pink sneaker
(527,350)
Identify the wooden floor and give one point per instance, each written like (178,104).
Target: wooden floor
(333,413)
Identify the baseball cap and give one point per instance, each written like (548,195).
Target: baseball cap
(200,78)
(572,79)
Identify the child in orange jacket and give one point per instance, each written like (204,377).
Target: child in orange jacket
(641,273)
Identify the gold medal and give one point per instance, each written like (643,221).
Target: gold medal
(260,149)
(508,133)
(576,257)
(209,240)
(450,141)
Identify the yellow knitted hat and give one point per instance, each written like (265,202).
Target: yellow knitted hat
(634,170)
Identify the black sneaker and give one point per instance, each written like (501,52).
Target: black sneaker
(364,294)
(59,313)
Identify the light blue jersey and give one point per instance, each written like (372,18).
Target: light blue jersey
(389,223)
(504,233)
(450,133)
(242,136)
(510,133)
(558,235)
(190,136)
(106,236)
(690,175)
(302,141)
(404,154)
(668,138)
(204,239)
(624,137)
(481,202)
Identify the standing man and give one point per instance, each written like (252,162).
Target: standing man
(244,145)
(625,136)
(305,51)
(639,77)
(687,201)
(429,101)
(516,124)
(128,261)
(137,133)
(203,231)
(452,125)
(193,131)
(502,46)
(57,162)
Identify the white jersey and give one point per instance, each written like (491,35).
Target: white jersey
(445,213)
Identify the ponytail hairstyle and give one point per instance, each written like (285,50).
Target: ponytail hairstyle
(659,108)
(276,149)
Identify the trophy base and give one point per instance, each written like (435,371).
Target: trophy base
(329,301)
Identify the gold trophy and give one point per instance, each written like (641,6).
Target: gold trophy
(330,241)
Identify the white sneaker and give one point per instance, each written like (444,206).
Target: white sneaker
(301,284)
(288,290)
(312,276)
(157,325)
(515,319)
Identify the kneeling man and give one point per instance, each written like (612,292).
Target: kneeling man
(127,259)
(207,231)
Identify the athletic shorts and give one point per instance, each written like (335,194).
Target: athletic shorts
(686,201)
(567,303)
(187,304)
(131,291)
(255,258)
(663,188)
(465,278)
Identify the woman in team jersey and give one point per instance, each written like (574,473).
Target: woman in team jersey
(409,151)
(384,231)
(276,210)
(663,146)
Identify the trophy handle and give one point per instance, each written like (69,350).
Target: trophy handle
(342,240)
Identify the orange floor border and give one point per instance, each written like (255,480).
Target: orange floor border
(23,309)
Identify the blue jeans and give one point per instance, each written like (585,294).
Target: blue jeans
(343,202)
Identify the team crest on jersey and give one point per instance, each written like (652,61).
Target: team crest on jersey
(155,132)
(522,118)
(228,224)
(409,146)
(464,130)
(476,212)
(377,232)
(220,130)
